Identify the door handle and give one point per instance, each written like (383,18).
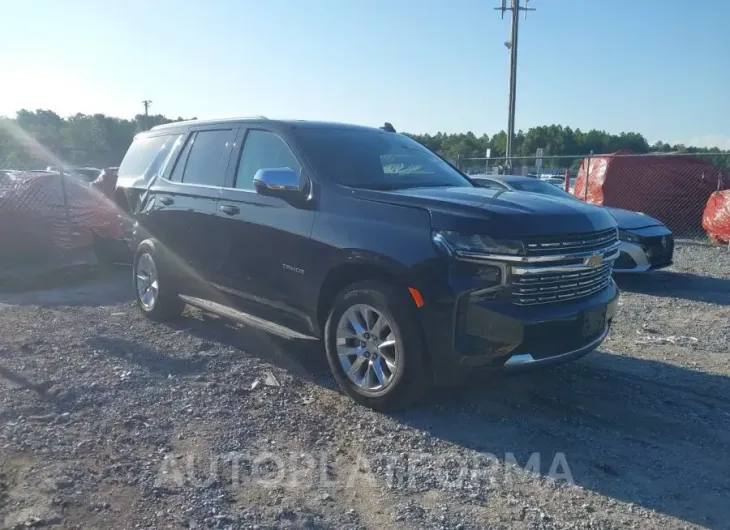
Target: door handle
(167,201)
(229,210)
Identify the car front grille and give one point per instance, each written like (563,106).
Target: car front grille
(564,268)
(571,243)
(551,287)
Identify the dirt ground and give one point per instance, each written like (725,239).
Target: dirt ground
(110,421)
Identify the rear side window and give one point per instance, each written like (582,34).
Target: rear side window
(179,167)
(146,155)
(208,158)
(490,184)
(263,150)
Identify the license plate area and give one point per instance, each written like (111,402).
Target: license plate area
(593,322)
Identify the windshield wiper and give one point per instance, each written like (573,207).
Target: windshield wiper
(402,186)
(381,187)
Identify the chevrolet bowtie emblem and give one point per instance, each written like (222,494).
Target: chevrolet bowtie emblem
(593,261)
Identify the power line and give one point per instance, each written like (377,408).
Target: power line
(512,46)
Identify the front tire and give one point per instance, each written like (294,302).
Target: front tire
(154,287)
(374,346)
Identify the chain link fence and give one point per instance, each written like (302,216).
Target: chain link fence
(685,191)
(552,167)
(688,192)
(49,211)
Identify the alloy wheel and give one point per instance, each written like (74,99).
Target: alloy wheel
(367,347)
(146,281)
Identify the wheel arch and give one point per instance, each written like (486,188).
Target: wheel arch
(357,270)
(346,274)
(368,275)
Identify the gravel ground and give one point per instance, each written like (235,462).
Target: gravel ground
(110,421)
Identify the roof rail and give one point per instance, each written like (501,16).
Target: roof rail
(234,118)
(198,120)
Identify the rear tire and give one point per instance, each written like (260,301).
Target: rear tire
(375,348)
(154,287)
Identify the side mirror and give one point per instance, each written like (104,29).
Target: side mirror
(278,182)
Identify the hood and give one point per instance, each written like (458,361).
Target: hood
(628,220)
(502,214)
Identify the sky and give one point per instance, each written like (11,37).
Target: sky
(658,67)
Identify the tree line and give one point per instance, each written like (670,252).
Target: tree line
(32,139)
(36,139)
(555,140)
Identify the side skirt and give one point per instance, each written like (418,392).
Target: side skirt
(244,318)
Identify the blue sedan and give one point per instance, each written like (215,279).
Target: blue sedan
(646,244)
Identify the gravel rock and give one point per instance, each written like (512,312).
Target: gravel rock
(117,422)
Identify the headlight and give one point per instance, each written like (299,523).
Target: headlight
(627,236)
(480,244)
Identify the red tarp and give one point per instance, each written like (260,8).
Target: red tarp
(41,216)
(671,188)
(716,219)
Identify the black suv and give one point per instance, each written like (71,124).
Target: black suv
(363,237)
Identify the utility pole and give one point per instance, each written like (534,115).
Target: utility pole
(146,103)
(512,46)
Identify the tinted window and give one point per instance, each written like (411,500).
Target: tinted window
(146,155)
(263,150)
(489,184)
(362,158)
(542,187)
(182,159)
(208,157)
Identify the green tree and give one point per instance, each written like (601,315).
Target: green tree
(40,138)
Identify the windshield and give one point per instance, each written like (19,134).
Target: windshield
(375,160)
(539,186)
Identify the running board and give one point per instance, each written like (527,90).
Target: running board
(244,318)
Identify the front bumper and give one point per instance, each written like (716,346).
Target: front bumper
(519,361)
(497,335)
(653,249)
